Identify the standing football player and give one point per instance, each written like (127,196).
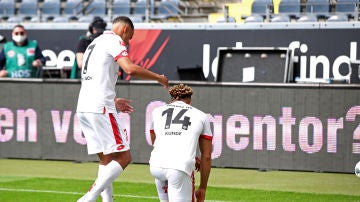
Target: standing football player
(97,107)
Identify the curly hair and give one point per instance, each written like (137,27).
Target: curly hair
(180,91)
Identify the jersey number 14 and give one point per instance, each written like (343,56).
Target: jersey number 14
(178,119)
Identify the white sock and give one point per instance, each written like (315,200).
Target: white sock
(107,193)
(109,173)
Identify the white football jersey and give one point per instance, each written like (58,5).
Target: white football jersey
(178,127)
(99,73)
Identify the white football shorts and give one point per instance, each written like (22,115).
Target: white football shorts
(173,185)
(103,133)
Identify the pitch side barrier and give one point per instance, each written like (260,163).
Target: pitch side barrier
(308,127)
(321,50)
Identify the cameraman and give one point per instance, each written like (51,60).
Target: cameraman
(96,28)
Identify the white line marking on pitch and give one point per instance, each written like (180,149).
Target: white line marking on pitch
(78,193)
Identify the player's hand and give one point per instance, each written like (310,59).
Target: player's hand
(200,195)
(197,164)
(3,73)
(123,105)
(36,63)
(164,81)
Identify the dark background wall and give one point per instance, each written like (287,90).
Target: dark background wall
(312,127)
(164,49)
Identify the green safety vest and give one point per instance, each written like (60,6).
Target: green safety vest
(19,59)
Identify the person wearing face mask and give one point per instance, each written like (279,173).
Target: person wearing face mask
(21,57)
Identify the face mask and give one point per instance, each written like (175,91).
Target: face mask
(19,38)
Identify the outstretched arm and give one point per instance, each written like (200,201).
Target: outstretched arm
(141,73)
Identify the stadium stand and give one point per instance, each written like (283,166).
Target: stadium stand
(28,10)
(7,8)
(72,7)
(318,8)
(347,7)
(338,18)
(213,11)
(289,9)
(70,11)
(281,18)
(97,7)
(308,18)
(260,10)
(233,12)
(140,9)
(86,18)
(121,7)
(168,9)
(50,9)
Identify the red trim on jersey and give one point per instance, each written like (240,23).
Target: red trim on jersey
(206,137)
(122,54)
(115,129)
(193,187)
(122,43)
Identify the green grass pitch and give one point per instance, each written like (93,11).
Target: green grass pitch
(65,181)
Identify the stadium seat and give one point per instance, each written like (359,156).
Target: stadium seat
(50,9)
(292,8)
(281,18)
(72,7)
(308,18)
(338,18)
(347,7)
(28,9)
(168,7)
(259,10)
(344,10)
(319,8)
(59,19)
(14,19)
(254,19)
(121,7)
(140,8)
(86,18)
(261,7)
(7,8)
(97,8)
